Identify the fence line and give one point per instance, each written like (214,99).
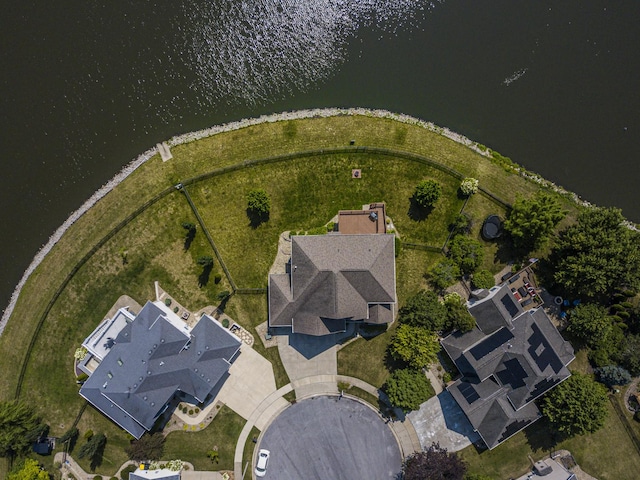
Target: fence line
(209,238)
(625,423)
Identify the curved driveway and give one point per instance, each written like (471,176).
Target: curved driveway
(330,437)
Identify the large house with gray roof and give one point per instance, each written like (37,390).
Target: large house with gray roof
(137,364)
(507,361)
(334,279)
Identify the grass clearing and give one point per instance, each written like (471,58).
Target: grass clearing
(222,433)
(366,358)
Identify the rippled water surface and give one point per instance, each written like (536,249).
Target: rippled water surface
(87,85)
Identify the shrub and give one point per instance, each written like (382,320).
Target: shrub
(225,322)
(427,193)
(80,353)
(82,377)
(205,260)
(397,245)
(469,186)
(175,309)
(58,465)
(466,252)
(88,434)
(97,477)
(223,295)
(636,416)
(197,410)
(461,224)
(217,278)
(446,377)
(124,474)
(483,279)
(190,412)
(407,389)
(167,301)
(611,375)
(185,409)
(444,274)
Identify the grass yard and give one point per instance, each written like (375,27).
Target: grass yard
(222,433)
(250,446)
(307,193)
(366,358)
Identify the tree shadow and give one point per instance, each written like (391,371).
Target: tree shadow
(203,278)
(417,212)
(542,437)
(508,252)
(96,459)
(256,218)
(188,239)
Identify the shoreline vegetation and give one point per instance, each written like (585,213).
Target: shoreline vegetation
(278,117)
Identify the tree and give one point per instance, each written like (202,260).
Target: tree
(30,470)
(629,355)
(461,224)
(414,345)
(424,310)
(149,447)
(434,463)
(408,388)
(483,279)
(205,260)
(458,316)
(589,322)
(597,255)
(258,206)
(190,235)
(427,193)
(70,436)
(466,252)
(444,274)
(469,186)
(531,221)
(93,449)
(576,406)
(19,428)
(611,375)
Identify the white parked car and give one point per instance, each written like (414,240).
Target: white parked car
(263,460)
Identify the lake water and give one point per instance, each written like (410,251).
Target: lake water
(87,85)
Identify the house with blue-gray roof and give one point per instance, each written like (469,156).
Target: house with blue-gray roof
(137,364)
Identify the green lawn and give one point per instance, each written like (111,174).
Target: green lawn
(250,446)
(366,359)
(223,433)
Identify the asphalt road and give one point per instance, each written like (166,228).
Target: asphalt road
(330,438)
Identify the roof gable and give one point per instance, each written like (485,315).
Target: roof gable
(152,359)
(333,278)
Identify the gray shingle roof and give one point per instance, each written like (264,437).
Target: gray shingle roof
(151,360)
(505,370)
(333,278)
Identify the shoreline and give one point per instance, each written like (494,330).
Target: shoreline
(189,137)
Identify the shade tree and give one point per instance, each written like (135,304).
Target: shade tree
(424,309)
(427,193)
(598,255)
(408,388)
(416,346)
(576,406)
(434,463)
(531,220)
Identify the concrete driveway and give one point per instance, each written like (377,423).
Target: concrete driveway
(251,380)
(329,437)
(440,419)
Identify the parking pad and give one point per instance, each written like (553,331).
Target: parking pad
(330,437)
